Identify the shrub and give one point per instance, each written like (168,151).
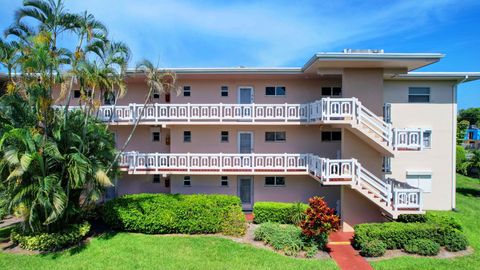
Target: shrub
(424,247)
(167,213)
(72,234)
(280,212)
(374,248)
(396,234)
(455,241)
(409,218)
(443,220)
(320,220)
(281,237)
(461,158)
(311,251)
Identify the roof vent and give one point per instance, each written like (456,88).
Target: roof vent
(362,51)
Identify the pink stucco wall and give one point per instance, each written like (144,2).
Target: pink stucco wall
(131,184)
(299,139)
(297,188)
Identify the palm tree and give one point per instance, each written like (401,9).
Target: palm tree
(51,16)
(158,82)
(9,53)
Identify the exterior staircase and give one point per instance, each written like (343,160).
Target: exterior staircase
(391,196)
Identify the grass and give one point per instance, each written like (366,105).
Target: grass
(138,251)
(468,206)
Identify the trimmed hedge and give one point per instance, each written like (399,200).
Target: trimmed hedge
(72,234)
(279,212)
(456,241)
(284,237)
(374,248)
(430,217)
(176,213)
(424,247)
(396,234)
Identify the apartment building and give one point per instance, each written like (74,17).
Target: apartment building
(359,128)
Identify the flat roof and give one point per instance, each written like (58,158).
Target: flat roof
(455,76)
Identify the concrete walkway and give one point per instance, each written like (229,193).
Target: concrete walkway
(346,257)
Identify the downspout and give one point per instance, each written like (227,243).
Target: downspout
(454,134)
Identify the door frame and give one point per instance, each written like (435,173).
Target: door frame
(247,207)
(252,93)
(238,140)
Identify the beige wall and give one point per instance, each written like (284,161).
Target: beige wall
(206,139)
(297,188)
(366,85)
(438,115)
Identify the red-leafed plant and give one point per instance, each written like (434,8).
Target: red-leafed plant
(320,219)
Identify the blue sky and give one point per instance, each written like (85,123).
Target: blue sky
(182,33)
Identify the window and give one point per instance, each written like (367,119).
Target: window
(331,91)
(427,139)
(76,94)
(224,91)
(274,181)
(224,136)
(224,181)
(156,178)
(156,136)
(386,165)
(187,136)
(186,181)
(167,182)
(275,136)
(329,136)
(421,180)
(156,95)
(275,91)
(109,99)
(418,94)
(186,91)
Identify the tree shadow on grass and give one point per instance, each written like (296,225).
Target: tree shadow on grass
(469,192)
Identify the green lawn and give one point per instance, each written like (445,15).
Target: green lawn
(468,205)
(137,251)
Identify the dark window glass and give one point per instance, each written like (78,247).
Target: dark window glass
(186,181)
(224,91)
(186,91)
(270,136)
(270,91)
(326,91)
(326,136)
(269,181)
(89,93)
(156,178)
(224,181)
(156,136)
(156,95)
(76,93)
(280,90)
(280,136)
(224,136)
(336,136)
(167,182)
(187,136)
(418,95)
(336,91)
(279,181)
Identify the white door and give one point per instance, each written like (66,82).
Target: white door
(245,97)
(245,142)
(245,191)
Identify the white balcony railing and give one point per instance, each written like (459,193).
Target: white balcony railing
(408,139)
(393,194)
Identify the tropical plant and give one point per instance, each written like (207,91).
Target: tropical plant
(461,129)
(471,166)
(55,163)
(320,220)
